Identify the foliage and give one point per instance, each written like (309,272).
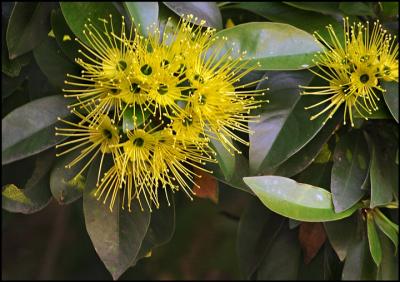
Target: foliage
(319,196)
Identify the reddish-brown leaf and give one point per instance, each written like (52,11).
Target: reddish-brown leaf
(311,236)
(208,186)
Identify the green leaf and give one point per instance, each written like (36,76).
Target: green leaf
(76,15)
(387,227)
(390,9)
(65,187)
(160,231)
(392,98)
(285,126)
(382,112)
(329,8)
(316,150)
(341,233)
(275,46)
(116,235)
(383,172)
(389,268)
(295,200)
(128,122)
(207,11)
(226,160)
(257,231)
(282,260)
(29,129)
(53,63)
(27,27)
(357,8)
(35,194)
(373,240)
(64,35)
(144,14)
(359,264)
(306,20)
(350,167)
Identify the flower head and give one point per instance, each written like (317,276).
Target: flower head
(182,92)
(354,69)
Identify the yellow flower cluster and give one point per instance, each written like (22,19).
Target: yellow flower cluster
(154,104)
(355,69)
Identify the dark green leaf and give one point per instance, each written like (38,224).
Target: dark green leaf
(357,8)
(282,259)
(144,14)
(65,186)
(306,20)
(9,85)
(116,235)
(329,8)
(285,126)
(257,232)
(295,200)
(340,233)
(64,35)
(28,26)
(389,268)
(387,227)
(316,150)
(29,129)
(76,15)
(359,264)
(383,172)
(373,240)
(160,231)
(226,160)
(53,63)
(350,167)
(392,98)
(390,9)
(316,174)
(207,11)
(35,194)
(276,46)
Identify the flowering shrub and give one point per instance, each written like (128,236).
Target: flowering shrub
(283,115)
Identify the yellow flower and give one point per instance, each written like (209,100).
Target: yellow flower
(189,91)
(353,69)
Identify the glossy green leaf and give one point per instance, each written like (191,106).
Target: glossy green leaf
(29,129)
(306,20)
(65,187)
(295,200)
(329,8)
(359,264)
(341,233)
(383,173)
(382,112)
(392,98)
(282,259)
(64,36)
(357,8)
(35,194)
(116,235)
(53,63)
(76,15)
(389,267)
(285,126)
(350,167)
(390,229)
(390,9)
(276,46)
(373,240)
(144,14)
(128,121)
(316,174)
(207,11)
(258,229)
(27,27)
